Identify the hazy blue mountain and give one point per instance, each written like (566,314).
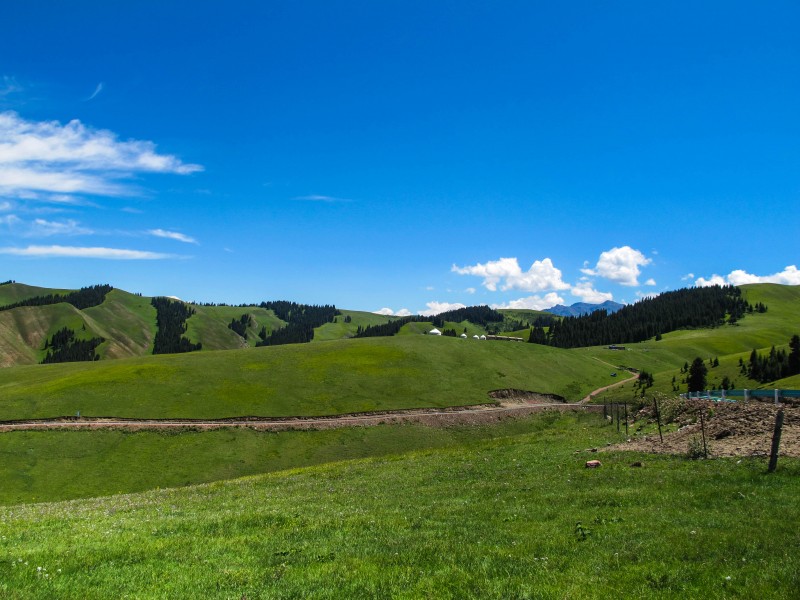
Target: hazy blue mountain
(584,308)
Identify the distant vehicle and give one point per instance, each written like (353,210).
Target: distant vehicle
(613,374)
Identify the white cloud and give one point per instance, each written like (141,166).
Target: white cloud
(9,85)
(650,281)
(42,228)
(96,91)
(470,290)
(687,277)
(403,312)
(434,308)
(10,220)
(46,156)
(320,198)
(789,276)
(647,295)
(541,276)
(620,265)
(533,302)
(78,252)
(587,293)
(713,280)
(172,235)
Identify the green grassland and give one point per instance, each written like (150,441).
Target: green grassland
(300,379)
(16,292)
(514,517)
(45,466)
(340,329)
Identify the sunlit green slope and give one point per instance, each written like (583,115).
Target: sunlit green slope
(300,379)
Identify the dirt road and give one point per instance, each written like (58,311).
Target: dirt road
(475,414)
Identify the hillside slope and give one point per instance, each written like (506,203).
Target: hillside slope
(333,377)
(728,343)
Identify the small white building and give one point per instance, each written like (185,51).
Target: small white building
(434,331)
(483,337)
(475,337)
(464,335)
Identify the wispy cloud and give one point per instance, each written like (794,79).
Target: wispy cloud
(319,198)
(172,235)
(43,228)
(83,252)
(8,86)
(96,91)
(46,157)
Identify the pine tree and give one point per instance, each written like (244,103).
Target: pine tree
(697,375)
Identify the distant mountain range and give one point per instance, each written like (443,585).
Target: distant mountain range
(584,308)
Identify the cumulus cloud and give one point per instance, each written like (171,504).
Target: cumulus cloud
(587,293)
(789,276)
(79,252)
(48,157)
(403,312)
(434,308)
(533,302)
(172,235)
(650,281)
(507,273)
(620,265)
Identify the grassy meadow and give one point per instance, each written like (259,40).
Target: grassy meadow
(516,516)
(325,378)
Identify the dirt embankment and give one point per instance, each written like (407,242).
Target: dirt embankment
(731,429)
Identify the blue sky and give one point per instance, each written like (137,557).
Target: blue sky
(407,156)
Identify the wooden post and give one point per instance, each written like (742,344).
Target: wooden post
(626,419)
(605,409)
(776,442)
(658,419)
(703,431)
(617,418)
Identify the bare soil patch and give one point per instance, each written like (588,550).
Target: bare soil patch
(731,429)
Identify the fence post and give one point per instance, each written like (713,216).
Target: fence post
(703,431)
(776,442)
(723,394)
(658,419)
(626,419)
(777,397)
(746,395)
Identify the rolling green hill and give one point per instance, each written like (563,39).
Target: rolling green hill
(729,343)
(325,378)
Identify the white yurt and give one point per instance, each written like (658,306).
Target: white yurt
(483,337)
(434,331)
(464,335)
(475,337)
